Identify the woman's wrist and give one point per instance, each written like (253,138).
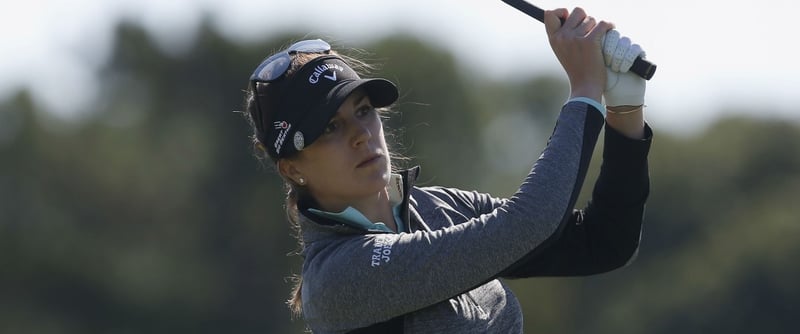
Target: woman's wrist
(627,120)
(593,92)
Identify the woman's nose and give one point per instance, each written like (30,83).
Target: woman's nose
(361,133)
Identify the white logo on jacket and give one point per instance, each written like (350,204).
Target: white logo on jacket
(382,250)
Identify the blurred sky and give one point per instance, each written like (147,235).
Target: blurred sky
(713,56)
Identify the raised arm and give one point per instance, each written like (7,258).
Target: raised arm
(606,234)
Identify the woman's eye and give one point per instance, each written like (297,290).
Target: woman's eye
(364,110)
(332,126)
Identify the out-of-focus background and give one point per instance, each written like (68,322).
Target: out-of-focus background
(130,201)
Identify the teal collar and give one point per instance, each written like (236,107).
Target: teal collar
(351,216)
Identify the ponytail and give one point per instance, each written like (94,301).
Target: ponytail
(295,301)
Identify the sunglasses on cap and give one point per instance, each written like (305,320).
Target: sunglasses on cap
(274,67)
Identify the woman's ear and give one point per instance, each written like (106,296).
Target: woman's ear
(288,170)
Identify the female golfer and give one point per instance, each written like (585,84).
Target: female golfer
(383,255)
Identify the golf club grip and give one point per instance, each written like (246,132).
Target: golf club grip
(641,67)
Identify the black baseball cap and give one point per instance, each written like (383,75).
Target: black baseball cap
(301,107)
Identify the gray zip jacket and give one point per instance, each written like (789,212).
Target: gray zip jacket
(442,275)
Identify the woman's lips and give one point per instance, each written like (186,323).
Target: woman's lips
(371,160)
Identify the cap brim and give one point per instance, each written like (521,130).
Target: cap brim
(381,92)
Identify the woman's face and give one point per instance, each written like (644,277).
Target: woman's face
(349,162)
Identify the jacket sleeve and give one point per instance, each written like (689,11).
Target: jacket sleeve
(352,281)
(606,234)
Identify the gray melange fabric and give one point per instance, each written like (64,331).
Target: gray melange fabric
(442,276)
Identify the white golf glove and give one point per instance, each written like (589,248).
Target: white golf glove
(622,87)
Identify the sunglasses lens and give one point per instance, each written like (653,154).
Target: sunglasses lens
(272,68)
